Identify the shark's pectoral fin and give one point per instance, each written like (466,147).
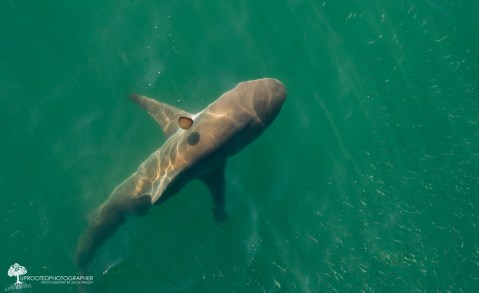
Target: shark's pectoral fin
(167,116)
(215,181)
(219,215)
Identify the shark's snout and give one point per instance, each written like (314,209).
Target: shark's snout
(268,97)
(278,92)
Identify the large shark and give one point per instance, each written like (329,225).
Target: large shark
(197,147)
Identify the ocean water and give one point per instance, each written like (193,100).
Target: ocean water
(368,180)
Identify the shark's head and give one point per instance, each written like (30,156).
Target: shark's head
(259,102)
(241,114)
(264,97)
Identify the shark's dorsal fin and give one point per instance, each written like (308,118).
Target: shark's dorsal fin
(167,116)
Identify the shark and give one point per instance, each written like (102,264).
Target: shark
(197,146)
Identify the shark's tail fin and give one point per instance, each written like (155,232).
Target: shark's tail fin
(108,218)
(102,226)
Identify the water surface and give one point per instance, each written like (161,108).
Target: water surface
(367,180)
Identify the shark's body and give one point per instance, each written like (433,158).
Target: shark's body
(200,152)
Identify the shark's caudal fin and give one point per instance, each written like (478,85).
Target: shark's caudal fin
(107,219)
(167,116)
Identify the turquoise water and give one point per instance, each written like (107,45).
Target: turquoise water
(367,180)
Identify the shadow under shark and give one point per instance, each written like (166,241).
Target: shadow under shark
(197,147)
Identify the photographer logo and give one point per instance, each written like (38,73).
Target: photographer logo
(19,271)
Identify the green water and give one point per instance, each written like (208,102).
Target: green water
(367,180)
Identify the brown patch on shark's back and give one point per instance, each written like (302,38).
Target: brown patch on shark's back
(185,122)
